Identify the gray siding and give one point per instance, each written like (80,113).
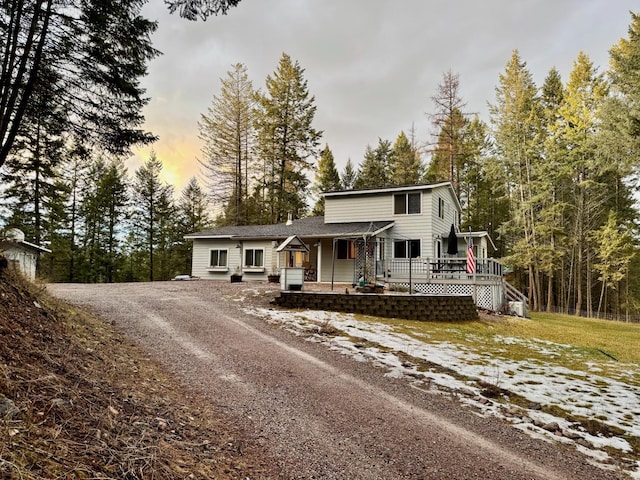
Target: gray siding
(342,269)
(425,226)
(235,261)
(358,208)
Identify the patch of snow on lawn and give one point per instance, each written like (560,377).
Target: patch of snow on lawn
(586,393)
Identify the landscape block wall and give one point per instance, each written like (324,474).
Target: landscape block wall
(442,308)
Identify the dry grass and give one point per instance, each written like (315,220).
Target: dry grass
(91,405)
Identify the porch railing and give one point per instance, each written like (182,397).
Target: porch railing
(435,269)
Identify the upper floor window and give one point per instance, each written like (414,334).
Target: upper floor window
(254,257)
(218,258)
(406,203)
(440,208)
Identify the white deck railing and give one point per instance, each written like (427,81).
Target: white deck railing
(438,269)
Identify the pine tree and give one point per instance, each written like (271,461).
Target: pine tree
(113,197)
(516,118)
(327,178)
(97,50)
(286,139)
(448,119)
(152,201)
(193,214)
(194,9)
(348,176)
(374,171)
(577,121)
(405,166)
(553,193)
(30,173)
(227,132)
(615,248)
(619,136)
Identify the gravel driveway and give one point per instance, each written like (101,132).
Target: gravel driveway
(321,414)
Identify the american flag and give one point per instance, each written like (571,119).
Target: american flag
(471,259)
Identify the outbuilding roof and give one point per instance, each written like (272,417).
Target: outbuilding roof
(5,244)
(303,227)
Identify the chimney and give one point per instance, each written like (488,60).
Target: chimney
(289,218)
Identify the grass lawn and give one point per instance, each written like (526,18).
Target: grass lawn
(587,340)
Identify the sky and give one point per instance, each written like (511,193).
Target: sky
(372,65)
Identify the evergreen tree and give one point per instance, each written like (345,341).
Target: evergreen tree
(625,83)
(553,193)
(447,158)
(516,118)
(449,120)
(30,172)
(152,202)
(374,171)
(327,178)
(615,248)
(286,139)
(194,217)
(227,132)
(194,9)
(348,176)
(619,135)
(482,194)
(113,198)
(97,50)
(405,166)
(577,122)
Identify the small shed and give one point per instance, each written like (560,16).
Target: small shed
(22,255)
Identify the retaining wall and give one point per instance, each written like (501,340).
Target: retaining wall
(444,308)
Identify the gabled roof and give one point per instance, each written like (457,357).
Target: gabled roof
(395,189)
(293,244)
(303,227)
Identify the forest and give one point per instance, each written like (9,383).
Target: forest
(552,174)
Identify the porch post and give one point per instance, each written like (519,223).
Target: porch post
(319,262)
(333,262)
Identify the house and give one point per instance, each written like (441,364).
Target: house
(22,255)
(396,235)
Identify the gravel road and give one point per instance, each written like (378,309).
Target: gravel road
(322,415)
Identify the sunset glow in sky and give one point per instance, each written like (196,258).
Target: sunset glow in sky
(372,65)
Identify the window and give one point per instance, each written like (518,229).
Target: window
(254,257)
(346,250)
(406,203)
(217,258)
(440,208)
(406,249)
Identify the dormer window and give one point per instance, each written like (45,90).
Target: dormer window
(406,203)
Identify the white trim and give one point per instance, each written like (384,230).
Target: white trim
(385,190)
(296,245)
(406,203)
(204,236)
(218,268)
(254,268)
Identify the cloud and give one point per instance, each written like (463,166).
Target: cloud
(372,65)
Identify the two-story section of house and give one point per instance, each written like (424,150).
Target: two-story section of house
(371,233)
(421,214)
(404,235)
